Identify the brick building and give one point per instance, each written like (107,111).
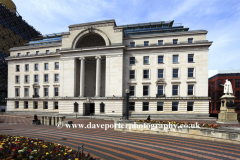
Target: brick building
(215,90)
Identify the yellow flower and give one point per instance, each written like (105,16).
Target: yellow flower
(47,153)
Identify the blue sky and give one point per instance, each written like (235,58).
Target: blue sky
(221,18)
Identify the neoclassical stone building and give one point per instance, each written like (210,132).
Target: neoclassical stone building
(88,69)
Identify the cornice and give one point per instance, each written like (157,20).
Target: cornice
(32,57)
(36,47)
(166,34)
(92,49)
(208,44)
(92,24)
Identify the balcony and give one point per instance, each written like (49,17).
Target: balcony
(35,96)
(160,95)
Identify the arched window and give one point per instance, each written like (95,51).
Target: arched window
(91,40)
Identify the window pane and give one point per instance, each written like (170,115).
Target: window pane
(190,72)
(57,65)
(56,77)
(145,73)
(132,74)
(131,106)
(131,89)
(175,90)
(132,44)
(190,106)
(160,42)
(160,90)
(160,73)
(175,73)
(190,58)
(132,60)
(55,105)
(159,106)
(175,41)
(175,58)
(174,106)
(160,59)
(145,106)
(190,89)
(145,90)
(146,60)
(56,91)
(146,43)
(190,40)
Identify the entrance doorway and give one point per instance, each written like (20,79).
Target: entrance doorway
(89,108)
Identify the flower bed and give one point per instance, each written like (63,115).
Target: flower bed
(179,123)
(24,148)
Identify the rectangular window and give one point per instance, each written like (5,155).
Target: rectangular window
(175,58)
(26,79)
(160,73)
(190,40)
(131,89)
(175,41)
(132,60)
(145,106)
(17,68)
(132,44)
(26,67)
(213,85)
(56,65)
(190,57)
(17,79)
(35,105)
(190,89)
(37,52)
(237,94)
(56,77)
(175,90)
(57,50)
(25,104)
(45,105)
(46,66)
(36,91)
(45,77)
(28,54)
(16,104)
(190,106)
(26,92)
(19,54)
(132,74)
(17,92)
(159,106)
(160,90)
(146,43)
(174,106)
(47,51)
(175,73)
(160,59)
(35,78)
(146,73)
(146,60)
(219,82)
(45,92)
(190,72)
(160,42)
(237,83)
(55,105)
(56,91)
(131,106)
(36,67)
(145,90)
(102,107)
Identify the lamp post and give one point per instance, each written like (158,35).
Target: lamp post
(127,102)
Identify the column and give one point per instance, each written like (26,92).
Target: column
(82,76)
(98,76)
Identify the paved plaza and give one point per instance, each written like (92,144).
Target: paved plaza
(110,144)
